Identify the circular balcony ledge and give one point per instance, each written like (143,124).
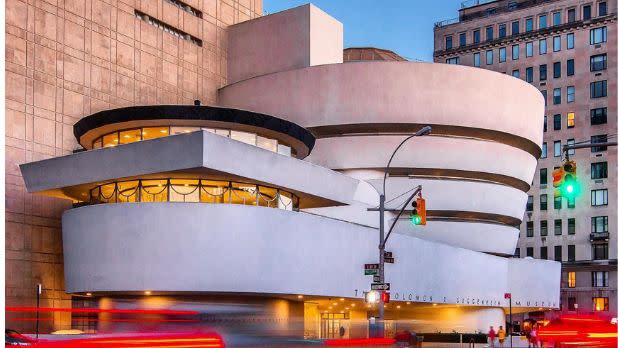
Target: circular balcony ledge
(94,126)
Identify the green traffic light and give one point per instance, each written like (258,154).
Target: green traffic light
(570,188)
(416,220)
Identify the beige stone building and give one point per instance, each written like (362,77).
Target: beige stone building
(67,59)
(567,49)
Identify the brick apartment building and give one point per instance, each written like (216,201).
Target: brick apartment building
(567,49)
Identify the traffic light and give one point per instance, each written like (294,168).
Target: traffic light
(419,215)
(372,296)
(570,188)
(386,297)
(558,180)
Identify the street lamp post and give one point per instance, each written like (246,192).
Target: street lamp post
(423,131)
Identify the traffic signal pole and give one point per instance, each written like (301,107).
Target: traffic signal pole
(566,148)
(423,131)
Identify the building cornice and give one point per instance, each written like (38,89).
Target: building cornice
(535,34)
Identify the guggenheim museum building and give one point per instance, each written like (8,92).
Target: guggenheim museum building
(263,197)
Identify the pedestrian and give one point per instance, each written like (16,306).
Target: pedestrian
(501,336)
(341,331)
(533,336)
(492,336)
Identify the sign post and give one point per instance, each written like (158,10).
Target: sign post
(39,289)
(507,296)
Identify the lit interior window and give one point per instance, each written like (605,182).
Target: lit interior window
(600,304)
(571,119)
(193,191)
(154,132)
(571,279)
(130,136)
(110,140)
(147,133)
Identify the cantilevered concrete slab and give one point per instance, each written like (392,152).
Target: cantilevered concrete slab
(198,154)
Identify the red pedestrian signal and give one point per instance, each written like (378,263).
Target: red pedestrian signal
(386,297)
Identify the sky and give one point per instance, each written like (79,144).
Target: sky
(403,26)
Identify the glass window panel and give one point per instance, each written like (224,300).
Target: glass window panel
(268,197)
(107,193)
(183,130)
(542,46)
(223,132)
(557,42)
(130,136)
(268,144)
(154,191)
(184,190)
(247,138)
(215,191)
(556,18)
(128,191)
(243,194)
(286,201)
(571,279)
(110,140)
(97,144)
(154,132)
(570,120)
(284,150)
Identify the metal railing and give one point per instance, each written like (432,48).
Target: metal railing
(472,3)
(446,22)
(192,190)
(596,236)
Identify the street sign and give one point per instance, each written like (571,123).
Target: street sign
(372,266)
(389,260)
(507,295)
(380,286)
(371,272)
(376,278)
(388,254)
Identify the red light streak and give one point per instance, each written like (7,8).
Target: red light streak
(95,310)
(137,341)
(116,320)
(360,342)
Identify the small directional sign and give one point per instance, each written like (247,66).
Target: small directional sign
(388,254)
(372,266)
(376,278)
(371,272)
(389,260)
(380,286)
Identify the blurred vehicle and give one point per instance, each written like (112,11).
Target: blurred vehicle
(13,338)
(580,331)
(138,340)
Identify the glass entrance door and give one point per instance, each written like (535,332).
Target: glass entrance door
(333,325)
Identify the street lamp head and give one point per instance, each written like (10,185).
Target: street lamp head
(423,131)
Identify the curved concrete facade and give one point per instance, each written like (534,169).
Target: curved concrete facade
(174,247)
(394,92)
(475,166)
